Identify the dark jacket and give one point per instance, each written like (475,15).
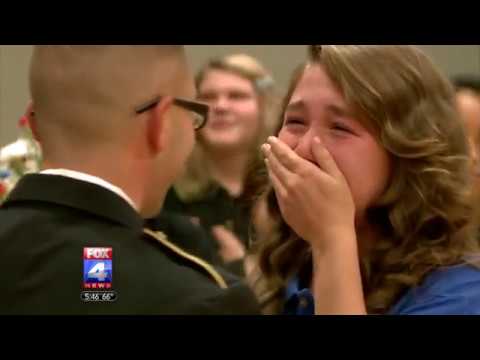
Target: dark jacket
(46,223)
(216,207)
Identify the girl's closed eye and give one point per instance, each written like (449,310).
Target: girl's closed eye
(294,120)
(342,128)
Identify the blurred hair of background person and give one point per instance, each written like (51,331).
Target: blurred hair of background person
(240,92)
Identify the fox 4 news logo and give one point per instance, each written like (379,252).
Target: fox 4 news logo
(97,268)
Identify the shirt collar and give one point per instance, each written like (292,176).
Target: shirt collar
(91,179)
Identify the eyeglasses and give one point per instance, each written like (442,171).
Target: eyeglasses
(198,109)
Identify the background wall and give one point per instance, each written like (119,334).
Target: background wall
(14,61)
(281,59)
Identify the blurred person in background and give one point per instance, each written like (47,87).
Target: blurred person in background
(468,102)
(240,92)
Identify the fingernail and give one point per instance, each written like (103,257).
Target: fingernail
(266,148)
(272,139)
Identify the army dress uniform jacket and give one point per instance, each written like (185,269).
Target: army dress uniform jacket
(49,220)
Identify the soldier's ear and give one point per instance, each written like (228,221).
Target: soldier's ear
(156,129)
(31,119)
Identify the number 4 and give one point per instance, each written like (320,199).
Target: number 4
(98,272)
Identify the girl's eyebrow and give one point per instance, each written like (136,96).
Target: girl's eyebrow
(296,105)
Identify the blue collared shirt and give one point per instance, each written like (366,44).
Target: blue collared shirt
(453,290)
(299,300)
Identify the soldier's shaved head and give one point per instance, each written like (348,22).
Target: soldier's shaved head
(85,95)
